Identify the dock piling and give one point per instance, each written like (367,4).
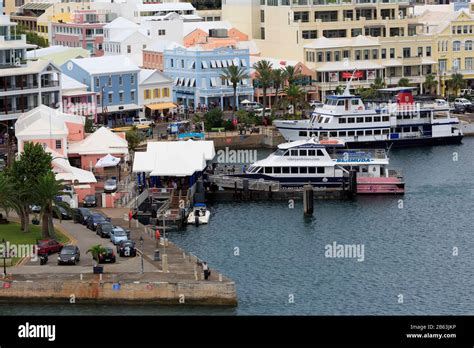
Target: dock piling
(308,200)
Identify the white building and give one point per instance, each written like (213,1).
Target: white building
(155,93)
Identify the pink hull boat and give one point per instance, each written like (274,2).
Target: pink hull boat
(393,185)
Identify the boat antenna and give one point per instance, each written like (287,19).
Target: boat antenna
(348,86)
(389,148)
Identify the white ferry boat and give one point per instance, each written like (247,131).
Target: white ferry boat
(400,124)
(325,164)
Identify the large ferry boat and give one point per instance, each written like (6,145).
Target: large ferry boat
(325,164)
(401,124)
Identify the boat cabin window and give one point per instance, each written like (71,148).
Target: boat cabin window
(385,118)
(377,132)
(277,170)
(335,102)
(368,119)
(385,131)
(355,101)
(377,119)
(368,132)
(360,119)
(303,152)
(350,133)
(258,170)
(294,153)
(285,170)
(333,134)
(320,170)
(343,134)
(320,153)
(279,152)
(351,120)
(324,134)
(360,132)
(342,120)
(268,170)
(303,133)
(346,105)
(311,152)
(312,170)
(313,134)
(303,170)
(294,170)
(327,120)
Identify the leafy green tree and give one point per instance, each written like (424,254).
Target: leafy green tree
(234,75)
(244,118)
(95,251)
(46,195)
(456,83)
(264,77)
(213,119)
(279,79)
(340,90)
(89,125)
(24,174)
(6,193)
(292,74)
(378,84)
(294,95)
(430,83)
(134,138)
(404,82)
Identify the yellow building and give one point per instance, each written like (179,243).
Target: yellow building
(453,40)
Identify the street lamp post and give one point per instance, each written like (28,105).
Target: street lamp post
(141,246)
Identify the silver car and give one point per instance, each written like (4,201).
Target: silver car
(110,185)
(117,235)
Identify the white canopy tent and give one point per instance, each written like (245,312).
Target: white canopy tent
(107,161)
(174,158)
(246,101)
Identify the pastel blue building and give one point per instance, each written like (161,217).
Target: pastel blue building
(197,75)
(115,80)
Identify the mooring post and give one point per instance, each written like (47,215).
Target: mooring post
(308,200)
(353,182)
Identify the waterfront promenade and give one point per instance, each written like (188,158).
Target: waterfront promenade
(178,280)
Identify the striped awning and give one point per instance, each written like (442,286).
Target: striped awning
(161,106)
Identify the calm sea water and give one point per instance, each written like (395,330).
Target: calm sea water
(408,249)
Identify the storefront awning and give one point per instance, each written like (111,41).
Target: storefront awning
(161,106)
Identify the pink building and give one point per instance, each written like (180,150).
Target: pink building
(84,30)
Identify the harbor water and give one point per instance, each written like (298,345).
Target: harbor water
(418,249)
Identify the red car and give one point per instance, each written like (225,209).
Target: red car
(49,246)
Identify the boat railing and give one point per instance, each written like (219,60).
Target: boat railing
(395,173)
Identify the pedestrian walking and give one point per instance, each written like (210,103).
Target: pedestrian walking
(206,270)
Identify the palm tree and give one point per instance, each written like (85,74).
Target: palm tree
(403,82)
(234,75)
(264,75)
(278,80)
(339,90)
(294,96)
(45,195)
(378,84)
(95,251)
(457,82)
(430,83)
(292,74)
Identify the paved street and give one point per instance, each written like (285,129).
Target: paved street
(84,239)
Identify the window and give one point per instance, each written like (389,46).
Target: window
(312,170)
(301,16)
(442,63)
(392,53)
(277,170)
(156,93)
(294,170)
(309,34)
(357,55)
(328,56)
(321,170)
(361,132)
(132,79)
(342,133)
(303,170)
(366,54)
(129,49)
(406,52)
(346,54)
(166,92)
(377,119)
(383,53)
(468,63)
(110,81)
(428,51)
(161,32)
(337,56)
(121,96)
(110,97)
(342,120)
(375,54)
(468,45)
(262,16)
(285,170)
(97,82)
(311,152)
(368,132)
(320,57)
(120,80)
(132,95)
(268,170)
(303,133)
(262,33)
(146,94)
(360,119)
(351,120)
(420,51)
(368,119)
(456,46)
(58,144)
(303,153)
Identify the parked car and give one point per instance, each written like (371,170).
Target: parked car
(142,121)
(110,186)
(104,229)
(251,106)
(36,209)
(65,214)
(441,102)
(459,108)
(315,104)
(89,201)
(95,219)
(107,256)
(69,254)
(48,246)
(126,248)
(458,102)
(117,235)
(80,215)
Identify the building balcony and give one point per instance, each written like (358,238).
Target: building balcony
(415,79)
(49,84)
(13,38)
(309,4)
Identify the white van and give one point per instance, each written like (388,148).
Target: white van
(252,106)
(142,121)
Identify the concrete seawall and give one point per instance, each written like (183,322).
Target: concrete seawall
(108,291)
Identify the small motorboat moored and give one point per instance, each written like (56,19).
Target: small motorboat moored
(199,215)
